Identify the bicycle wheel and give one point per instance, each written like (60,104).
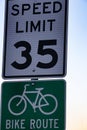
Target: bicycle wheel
(48,104)
(17,105)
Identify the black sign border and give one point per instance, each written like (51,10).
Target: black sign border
(37,76)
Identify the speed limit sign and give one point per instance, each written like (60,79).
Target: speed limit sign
(35,38)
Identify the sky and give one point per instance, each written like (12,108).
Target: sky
(76,78)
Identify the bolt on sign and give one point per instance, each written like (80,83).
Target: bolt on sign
(33,105)
(35,38)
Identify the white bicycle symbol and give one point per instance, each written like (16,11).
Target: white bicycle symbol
(41,102)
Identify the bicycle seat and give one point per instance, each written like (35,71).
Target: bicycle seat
(39,89)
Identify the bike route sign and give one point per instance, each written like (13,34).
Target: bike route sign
(35,38)
(33,105)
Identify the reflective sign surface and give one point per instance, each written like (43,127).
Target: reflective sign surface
(33,105)
(35,38)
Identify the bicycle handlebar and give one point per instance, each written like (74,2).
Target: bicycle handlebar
(25,86)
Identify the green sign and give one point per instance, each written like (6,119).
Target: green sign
(34,105)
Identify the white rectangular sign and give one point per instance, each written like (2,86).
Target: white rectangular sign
(35,38)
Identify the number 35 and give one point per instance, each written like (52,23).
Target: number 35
(41,51)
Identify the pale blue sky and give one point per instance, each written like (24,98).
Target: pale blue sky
(77,59)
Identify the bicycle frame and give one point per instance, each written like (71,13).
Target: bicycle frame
(39,94)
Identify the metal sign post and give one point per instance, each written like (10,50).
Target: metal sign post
(33,105)
(35,38)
